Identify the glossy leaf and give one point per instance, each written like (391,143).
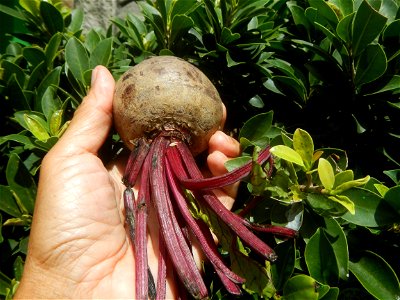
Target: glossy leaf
(371,65)
(344,201)
(8,204)
(343,177)
(52,17)
(324,206)
(375,274)
(300,287)
(283,268)
(371,209)
(256,129)
(180,25)
(51,79)
(287,154)
(50,102)
(392,197)
(21,183)
(33,55)
(325,11)
(320,259)
(101,55)
(367,25)
(36,127)
(56,121)
(77,59)
(304,145)
(258,278)
(52,49)
(31,6)
(337,238)
(344,27)
(326,174)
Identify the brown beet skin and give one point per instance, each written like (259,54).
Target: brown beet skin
(166,93)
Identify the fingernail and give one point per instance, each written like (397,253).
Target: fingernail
(95,71)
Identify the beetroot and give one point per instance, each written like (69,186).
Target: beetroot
(165,111)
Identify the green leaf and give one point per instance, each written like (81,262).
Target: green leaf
(367,25)
(237,162)
(50,102)
(304,145)
(320,259)
(92,40)
(344,28)
(12,12)
(283,268)
(325,11)
(376,275)
(290,86)
(52,17)
(36,127)
(371,209)
(52,49)
(101,55)
(33,55)
(51,79)
(300,287)
(31,6)
(9,69)
(324,206)
(337,238)
(287,154)
(326,174)
(8,204)
(56,121)
(77,19)
(257,128)
(77,59)
(344,201)
(18,267)
(180,25)
(350,184)
(343,177)
(258,278)
(298,16)
(392,197)
(371,65)
(393,84)
(21,184)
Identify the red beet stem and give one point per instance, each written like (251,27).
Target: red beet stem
(226,179)
(177,248)
(162,268)
(202,234)
(232,220)
(141,263)
(135,161)
(277,230)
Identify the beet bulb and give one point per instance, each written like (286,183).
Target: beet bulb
(165,110)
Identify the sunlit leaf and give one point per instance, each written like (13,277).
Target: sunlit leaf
(77,59)
(344,201)
(304,145)
(287,154)
(371,209)
(301,287)
(326,174)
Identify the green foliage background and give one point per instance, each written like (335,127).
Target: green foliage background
(328,67)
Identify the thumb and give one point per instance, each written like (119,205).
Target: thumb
(93,118)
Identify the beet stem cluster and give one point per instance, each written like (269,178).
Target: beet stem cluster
(167,172)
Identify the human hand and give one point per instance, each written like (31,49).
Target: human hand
(78,244)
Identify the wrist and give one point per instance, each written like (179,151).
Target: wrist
(41,283)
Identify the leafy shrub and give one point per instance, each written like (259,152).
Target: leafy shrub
(329,67)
